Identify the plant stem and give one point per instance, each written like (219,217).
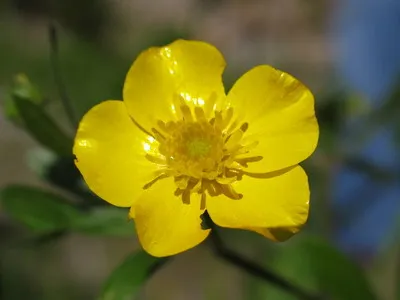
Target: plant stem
(253,268)
(53,39)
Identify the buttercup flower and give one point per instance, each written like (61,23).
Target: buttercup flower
(179,145)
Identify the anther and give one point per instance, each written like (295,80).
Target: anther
(187,114)
(228,191)
(244,127)
(157,134)
(200,115)
(186,196)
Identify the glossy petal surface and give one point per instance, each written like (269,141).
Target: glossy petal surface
(110,153)
(277,234)
(161,79)
(280,200)
(164,224)
(280,113)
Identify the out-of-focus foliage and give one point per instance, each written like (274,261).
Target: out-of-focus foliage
(45,212)
(22,89)
(87,19)
(127,280)
(39,210)
(37,122)
(105,221)
(316,265)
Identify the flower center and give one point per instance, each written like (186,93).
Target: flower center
(204,155)
(198,147)
(193,148)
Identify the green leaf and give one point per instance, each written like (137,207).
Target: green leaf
(126,281)
(43,128)
(292,263)
(337,274)
(317,266)
(10,110)
(40,160)
(109,221)
(24,89)
(39,210)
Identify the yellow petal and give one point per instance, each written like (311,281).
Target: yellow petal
(110,153)
(164,224)
(281,200)
(162,78)
(277,234)
(280,112)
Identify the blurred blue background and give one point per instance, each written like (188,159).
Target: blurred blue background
(368,59)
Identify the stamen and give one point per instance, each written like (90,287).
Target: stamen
(211,188)
(150,184)
(163,127)
(244,161)
(200,115)
(244,127)
(218,120)
(182,182)
(196,188)
(187,114)
(234,173)
(232,143)
(227,117)
(217,187)
(225,180)
(210,104)
(186,196)
(264,175)
(232,127)
(202,150)
(158,136)
(247,148)
(228,191)
(235,165)
(156,159)
(203,201)
(178,192)
(178,101)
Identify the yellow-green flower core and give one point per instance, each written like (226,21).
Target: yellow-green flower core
(202,153)
(198,147)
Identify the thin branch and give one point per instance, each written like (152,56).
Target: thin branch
(253,268)
(53,39)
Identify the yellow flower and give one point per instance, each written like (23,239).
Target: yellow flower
(178,145)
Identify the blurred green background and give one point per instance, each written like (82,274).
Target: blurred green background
(343,251)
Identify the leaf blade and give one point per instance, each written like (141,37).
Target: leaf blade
(109,221)
(317,266)
(39,210)
(127,279)
(42,128)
